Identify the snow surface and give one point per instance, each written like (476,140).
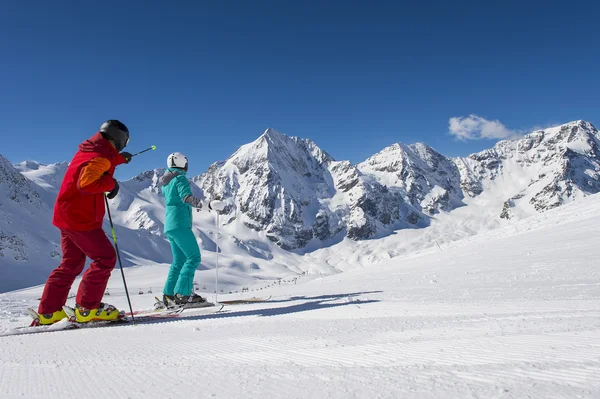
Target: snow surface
(509,313)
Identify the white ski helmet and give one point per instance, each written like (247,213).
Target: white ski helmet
(177,160)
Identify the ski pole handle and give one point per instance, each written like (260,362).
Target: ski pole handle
(147,149)
(220,206)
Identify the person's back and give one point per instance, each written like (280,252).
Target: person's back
(88,177)
(78,213)
(179,201)
(175,188)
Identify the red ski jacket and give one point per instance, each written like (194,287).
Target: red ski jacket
(80,202)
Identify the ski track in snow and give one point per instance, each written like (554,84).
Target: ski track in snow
(513,313)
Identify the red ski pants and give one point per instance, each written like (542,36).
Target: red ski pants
(76,245)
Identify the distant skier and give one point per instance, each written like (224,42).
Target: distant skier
(179,202)
(78,213)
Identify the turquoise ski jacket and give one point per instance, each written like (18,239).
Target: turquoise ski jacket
(178,199)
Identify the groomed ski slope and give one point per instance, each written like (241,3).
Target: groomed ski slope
(512,313)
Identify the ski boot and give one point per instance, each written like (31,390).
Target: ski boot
(104,312)
(191,301)
(169,301)
(42,319)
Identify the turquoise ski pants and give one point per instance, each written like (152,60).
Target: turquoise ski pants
(186,258)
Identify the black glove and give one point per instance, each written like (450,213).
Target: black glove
(127,156)
(197,204)
(114,191)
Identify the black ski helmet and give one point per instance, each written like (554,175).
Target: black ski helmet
(116,131)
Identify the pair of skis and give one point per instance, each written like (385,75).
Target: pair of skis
(158,312)
(141,317)
(160,307)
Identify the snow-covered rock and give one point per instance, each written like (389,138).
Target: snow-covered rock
(423,177)
(541,171)
(296,192)
(28,241)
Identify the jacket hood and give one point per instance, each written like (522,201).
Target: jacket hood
(170,175)
(98,144)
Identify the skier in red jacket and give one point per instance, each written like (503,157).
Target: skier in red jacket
(78,213)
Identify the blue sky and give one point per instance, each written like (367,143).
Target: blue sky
(204,77)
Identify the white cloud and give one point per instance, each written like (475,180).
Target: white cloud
(475,127)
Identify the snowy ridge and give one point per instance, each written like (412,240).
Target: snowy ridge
(296,193)
(27,237)
(302,198)
(48,177)
(272,180)
(424,177)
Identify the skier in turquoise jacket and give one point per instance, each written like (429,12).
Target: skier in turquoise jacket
(179,202)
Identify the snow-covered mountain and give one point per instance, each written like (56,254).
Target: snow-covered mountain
(296,193)
(273,180)
(48,177)
(29,244)
(424,178)
(287,194)
(541,171)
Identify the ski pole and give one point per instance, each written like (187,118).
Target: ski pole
(217,206)
(147,149)
(217,268)
(114,235)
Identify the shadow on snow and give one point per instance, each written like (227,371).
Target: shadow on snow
(314,303)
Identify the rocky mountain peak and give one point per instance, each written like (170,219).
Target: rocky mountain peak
(272,135)
(150,175)
(15,187)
